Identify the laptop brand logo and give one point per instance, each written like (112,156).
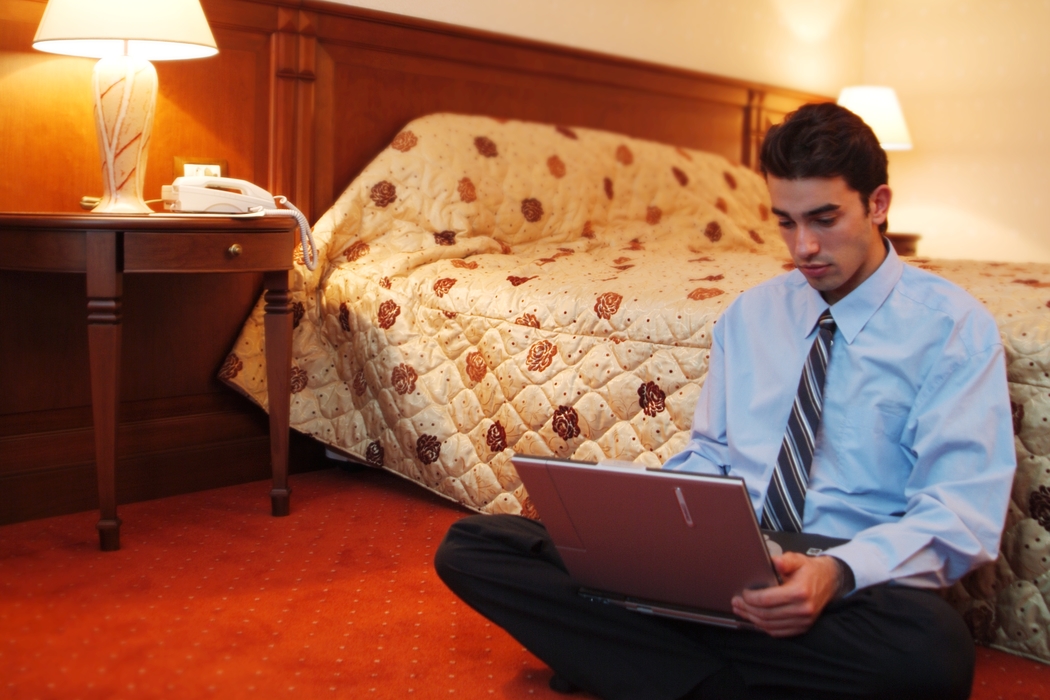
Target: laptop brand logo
(683,506)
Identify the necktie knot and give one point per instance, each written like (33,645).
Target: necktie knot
(826,322)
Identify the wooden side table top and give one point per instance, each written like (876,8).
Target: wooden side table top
(157,243)
(104,248)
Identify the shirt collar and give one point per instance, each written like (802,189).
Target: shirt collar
(852,312)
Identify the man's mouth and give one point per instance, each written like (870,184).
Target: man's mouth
(814,269)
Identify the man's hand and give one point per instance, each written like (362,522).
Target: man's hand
(791,608)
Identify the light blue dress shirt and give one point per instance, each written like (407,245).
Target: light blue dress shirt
(914,457)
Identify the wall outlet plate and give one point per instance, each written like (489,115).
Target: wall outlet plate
(206,167)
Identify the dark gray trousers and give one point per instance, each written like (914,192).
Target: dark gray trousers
(880,642)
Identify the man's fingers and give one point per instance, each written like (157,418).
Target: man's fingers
(791,611)
(792,632)
(788,563)
(789,627)
(792,607)
(785,594)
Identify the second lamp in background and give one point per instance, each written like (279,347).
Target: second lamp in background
(878,106)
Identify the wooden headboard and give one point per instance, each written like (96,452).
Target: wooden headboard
(358,76)
(301,96)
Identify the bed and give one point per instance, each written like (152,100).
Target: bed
(497,286)
(490,286)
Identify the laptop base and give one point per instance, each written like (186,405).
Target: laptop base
(674,612)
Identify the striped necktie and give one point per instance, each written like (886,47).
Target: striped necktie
(786,496)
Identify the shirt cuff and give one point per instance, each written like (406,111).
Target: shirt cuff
(848,583)
(864,560)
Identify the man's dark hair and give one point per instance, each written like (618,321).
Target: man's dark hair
(826,141)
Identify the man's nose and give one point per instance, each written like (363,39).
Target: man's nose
(806,243)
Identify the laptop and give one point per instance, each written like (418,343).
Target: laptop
(674,544)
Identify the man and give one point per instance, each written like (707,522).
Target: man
(910,458)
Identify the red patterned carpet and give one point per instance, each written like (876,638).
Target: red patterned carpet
(212,597)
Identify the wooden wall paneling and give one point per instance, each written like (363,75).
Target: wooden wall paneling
(305,100)
(38,423)
(72,487)
(47,458)
(43,343)
(399,34)
(291,107)
(765,108)
(777,104)
(230,98)
(58,118)
(178,330)
(192,122)
(754,128)
(41,451)
(284,58)
(373,93)
(323,185)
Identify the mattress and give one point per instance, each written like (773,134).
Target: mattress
(489,287)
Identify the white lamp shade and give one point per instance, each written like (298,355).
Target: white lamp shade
(879,108)
(155,30)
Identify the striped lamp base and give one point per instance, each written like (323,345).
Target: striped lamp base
(125,92)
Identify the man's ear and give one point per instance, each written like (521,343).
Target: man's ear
(879,204)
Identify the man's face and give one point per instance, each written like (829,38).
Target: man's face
(832,241)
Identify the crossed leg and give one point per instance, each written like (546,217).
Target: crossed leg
(891,642)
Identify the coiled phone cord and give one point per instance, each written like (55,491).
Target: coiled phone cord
(305,235)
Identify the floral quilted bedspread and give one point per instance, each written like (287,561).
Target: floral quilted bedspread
(488,287)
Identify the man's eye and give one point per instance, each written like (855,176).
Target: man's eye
(826,222)
(786,223)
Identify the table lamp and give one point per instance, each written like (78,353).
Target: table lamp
(879,108)
(125,35)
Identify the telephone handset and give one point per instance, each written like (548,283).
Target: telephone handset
(226,195)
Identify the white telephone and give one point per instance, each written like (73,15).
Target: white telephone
(226,195)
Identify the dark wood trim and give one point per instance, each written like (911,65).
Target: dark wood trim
(539,56)
(60,420)
(239,454)
(46,450)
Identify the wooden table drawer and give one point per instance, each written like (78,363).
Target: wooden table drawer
(207,252)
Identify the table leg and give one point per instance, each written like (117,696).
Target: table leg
(278,327)
(104,292)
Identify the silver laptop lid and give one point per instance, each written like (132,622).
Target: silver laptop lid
(678,538)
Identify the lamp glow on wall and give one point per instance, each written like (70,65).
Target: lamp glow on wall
(125,35)
(879,108)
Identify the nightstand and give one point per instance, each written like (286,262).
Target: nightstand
(904,243)
(104,248)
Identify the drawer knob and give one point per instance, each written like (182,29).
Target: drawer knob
(235,250)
